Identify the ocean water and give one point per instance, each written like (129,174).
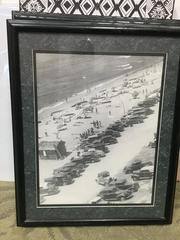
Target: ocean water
(59,76)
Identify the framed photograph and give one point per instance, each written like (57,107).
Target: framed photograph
(95,119)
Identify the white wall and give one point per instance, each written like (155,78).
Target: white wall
(6,146)
(176,14)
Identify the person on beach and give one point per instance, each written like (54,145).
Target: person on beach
(94,123)
(98,124)
(92,131)
(89,131)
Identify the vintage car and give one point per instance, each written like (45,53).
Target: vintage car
(119,124)
(90,157)
(149,111)
(69,170)
(149,102)
(59,181)
(138,112)
(93,138)
(113,194)
(124,184)
(104,174)
(98,145)
(51,189)
(107,190)
(143,174)
(152,144)
(98,153)
(112,133)
(80,161)
(108,140)
(66,170)
(58,173)
(142,111)
(115,127)
(54,180)
(103,178)
(136,165)
(125,120)
(134,119)
(75,166)
(67,180)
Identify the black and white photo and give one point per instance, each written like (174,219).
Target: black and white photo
(97,127)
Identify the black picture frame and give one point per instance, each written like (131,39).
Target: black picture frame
(164,40)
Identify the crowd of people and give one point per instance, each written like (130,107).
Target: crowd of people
(90,131)
(87,133)
(97,124)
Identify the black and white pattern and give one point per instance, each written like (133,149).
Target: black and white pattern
(33,5)
(87,7)
(160,9)
(121,8)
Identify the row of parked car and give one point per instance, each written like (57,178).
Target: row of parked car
(138,113)
(120,189)
(116,189)
(70,171)
(96,146)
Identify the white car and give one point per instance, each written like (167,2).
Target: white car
(144,173)
(103,178)
(98,152)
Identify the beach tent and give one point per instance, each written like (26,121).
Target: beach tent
(52,150)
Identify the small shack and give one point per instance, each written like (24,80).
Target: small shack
(52,150)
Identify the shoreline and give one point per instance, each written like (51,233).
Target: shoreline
(42,111)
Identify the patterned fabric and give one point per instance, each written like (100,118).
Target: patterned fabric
(160,9)
(33,5)
(122,8)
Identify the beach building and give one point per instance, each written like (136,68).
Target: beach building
(52,150)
